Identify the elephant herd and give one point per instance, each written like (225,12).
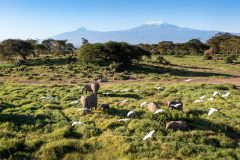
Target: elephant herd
(89,102)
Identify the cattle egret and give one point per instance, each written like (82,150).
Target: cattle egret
(216,93)
(143,104)
(106,94)
(159,88)
(211,99)
(51,98)
(188,80)
(125,90)
(74,102)
(211,111)
(226,95)
(149,135)
(198,101)
(175,105)
(123,120)
(124,101)
(130,112)
(159,111)
(76,122)
(115,91)
(202,97)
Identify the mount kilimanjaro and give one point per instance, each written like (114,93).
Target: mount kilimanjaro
(152,32)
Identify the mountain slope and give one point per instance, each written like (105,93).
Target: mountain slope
(152,32)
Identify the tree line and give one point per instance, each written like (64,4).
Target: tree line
(120,53)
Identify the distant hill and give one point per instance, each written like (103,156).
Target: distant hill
(152,32)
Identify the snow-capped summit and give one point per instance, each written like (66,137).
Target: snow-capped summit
(155,23)
(150,32)
(154,26)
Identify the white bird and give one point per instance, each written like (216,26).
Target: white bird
(51,98)
(226,95)
(130,112)
(143,104)
(123,120)
(159,88)
(211,99)
(188,80)
(106,94)
(114,91)
(175,105)
(125,90)
(124,101)
(74,102)
(211,111)
(198,101)
(76,122)
(149,135)
(216,93)
(159,111)
(202,97)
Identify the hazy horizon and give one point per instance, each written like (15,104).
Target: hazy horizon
(41,19)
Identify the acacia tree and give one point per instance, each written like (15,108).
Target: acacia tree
(110,52)
(58,47)
(12,49)
(226,45)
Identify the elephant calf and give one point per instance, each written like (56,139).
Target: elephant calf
(89,102)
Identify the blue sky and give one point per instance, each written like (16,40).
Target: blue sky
(44,18)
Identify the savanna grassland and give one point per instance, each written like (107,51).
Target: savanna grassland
(32,128)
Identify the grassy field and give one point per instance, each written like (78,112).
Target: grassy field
(31,128)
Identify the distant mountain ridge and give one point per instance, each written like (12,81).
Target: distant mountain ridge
(151,32)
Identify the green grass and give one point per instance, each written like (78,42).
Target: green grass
(33,129)
(57,70)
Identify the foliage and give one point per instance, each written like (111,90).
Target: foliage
(13,49)
(110,52)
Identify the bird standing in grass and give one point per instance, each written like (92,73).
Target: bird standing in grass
(188,80)
(159,111)
(123,120)
(211,111)
(202,97)
(149,135)
(225,95)
(76,122)
(216,93)
(143,104)
(211,99)
(198,101)
(130,113)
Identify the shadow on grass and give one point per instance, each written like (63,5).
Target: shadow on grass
(128,95)
(4,106)
(49,61)
(148,68)
(18,119)
(197,112)
(197,123)
(191,67)
(21,119)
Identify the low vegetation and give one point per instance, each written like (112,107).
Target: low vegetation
(35,127)
(32,128)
